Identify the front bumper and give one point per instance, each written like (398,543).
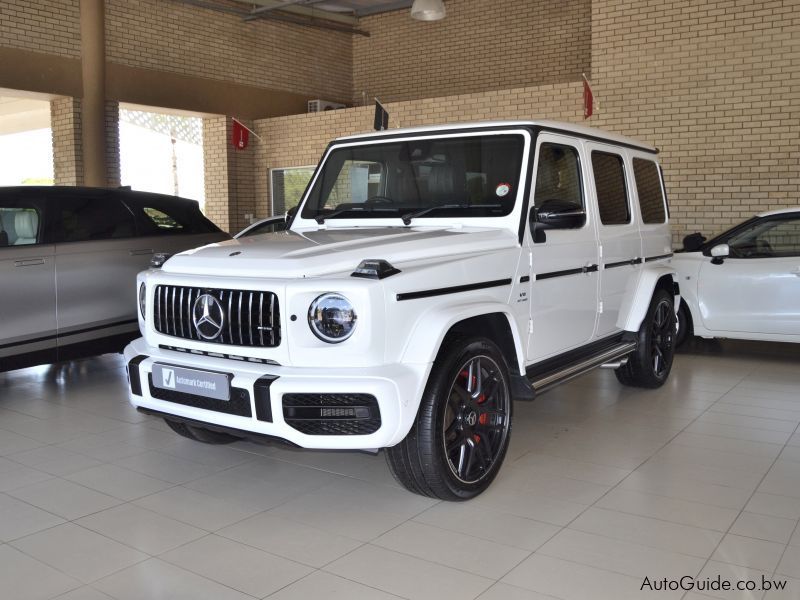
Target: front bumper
(397,389)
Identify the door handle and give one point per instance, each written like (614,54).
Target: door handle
(30,262)
(141,252)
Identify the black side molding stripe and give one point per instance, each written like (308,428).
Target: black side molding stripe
(566,272)
(659,257)
(68,333)
(453,290)
(525,279)
(622,263)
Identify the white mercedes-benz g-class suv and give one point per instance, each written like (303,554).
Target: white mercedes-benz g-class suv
(430,277)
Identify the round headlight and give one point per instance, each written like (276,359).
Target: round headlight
(143,299)
(332,318)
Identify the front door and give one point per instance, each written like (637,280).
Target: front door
(564,271)
(757,288)
(97,260)
(27,285)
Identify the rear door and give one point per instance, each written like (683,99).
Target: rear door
(618,231)
(97,261)
(756,289)
(27,283)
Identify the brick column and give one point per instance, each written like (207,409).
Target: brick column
(65,122)
(229,178)
(113,168)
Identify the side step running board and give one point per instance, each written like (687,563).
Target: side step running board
(548,380)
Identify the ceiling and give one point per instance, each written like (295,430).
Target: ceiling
(23,114)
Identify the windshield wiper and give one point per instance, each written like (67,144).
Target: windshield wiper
(413,215)
(320,219)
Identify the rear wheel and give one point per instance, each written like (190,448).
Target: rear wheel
(649,365)
(200,434)
(460,438)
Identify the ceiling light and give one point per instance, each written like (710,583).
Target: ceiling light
(428,10)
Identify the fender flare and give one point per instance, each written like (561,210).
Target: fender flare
(430,329)
(639,293)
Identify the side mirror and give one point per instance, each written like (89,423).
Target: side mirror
(719,253)
(290,215)
(560,214)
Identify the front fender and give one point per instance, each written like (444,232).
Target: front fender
(430,329)
(640,292)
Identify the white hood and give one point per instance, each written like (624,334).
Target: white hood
(314,253)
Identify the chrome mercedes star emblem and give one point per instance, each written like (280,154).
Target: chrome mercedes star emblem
(208,317)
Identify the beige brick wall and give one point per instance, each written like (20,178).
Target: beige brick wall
(229,175)
(41,26)
(300,140)
(480,46)
(174,37)
(716,86)
(113,169)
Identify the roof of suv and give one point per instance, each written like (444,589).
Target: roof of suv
(558,126)
(67,190)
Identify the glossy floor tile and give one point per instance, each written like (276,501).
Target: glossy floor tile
(602,487)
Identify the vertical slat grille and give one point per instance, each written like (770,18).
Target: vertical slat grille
(249,318)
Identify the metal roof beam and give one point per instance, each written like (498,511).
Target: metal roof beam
(303,8)
(387,7)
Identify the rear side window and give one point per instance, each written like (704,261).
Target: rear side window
(91,219)
(158,215)
(20,223)
(648,186)
(612,195)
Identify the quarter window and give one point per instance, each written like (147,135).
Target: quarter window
(648,187)
(558,176)
(161,219)
(609,181)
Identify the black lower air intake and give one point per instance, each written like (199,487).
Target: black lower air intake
(332,414)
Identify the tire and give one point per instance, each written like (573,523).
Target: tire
(649,365)
(200,434)
(460,437)
(684,326)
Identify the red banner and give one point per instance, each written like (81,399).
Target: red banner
(588,99)
(241,136)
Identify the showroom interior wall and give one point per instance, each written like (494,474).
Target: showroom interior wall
(715,85)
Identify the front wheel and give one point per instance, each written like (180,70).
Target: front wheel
(460,438)
(649,365)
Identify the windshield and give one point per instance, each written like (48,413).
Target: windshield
(473,176)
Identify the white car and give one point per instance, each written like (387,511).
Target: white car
(430,277)
(745,283)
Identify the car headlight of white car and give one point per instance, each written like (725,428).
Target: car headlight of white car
(143,299)
(332,318)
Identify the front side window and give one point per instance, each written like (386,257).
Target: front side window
(162,220)
(20,224)
(609,182)
(651,195)
(767,239)
(447,177)
(90,219)
(287,187)
(558,175)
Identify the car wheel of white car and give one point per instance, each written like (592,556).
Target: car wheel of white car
(200,434)
(649,365)
(459,440)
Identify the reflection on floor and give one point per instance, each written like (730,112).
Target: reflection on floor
(603,486)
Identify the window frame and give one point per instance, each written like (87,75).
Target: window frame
(626,183)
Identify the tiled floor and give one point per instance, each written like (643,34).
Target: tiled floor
(603,486)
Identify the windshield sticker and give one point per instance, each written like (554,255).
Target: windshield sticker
(502,190)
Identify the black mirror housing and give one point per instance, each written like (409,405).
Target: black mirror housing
(559,214)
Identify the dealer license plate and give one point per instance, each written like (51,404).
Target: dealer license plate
(192,381)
